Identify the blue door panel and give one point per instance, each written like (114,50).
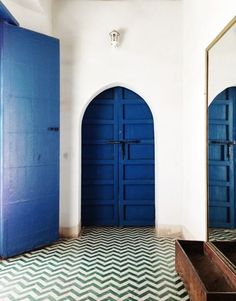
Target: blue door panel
(219,131)
(137,111)
(140,151)
(100,111)
(26,238)
(99,214)
(138,131)
(219,193)
(48,110)
(105,95)
(219,214)
(18,149)
(26,184)
(99,178)
(219,173)
(216,151)
(17,109)
(101,151)
(30,140)
(218,111)
(98,131)
(221,121)
(138,213)
(43,144)
(19,75)
(136,169)
(97,193)
(118,161)
(139,192)
(98,172)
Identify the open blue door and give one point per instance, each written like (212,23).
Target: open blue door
(118,161)
(29,140)
(221,138)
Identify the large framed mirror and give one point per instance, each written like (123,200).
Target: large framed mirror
(221,115)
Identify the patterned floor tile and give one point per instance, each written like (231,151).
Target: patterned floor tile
(222,234)
(104,264)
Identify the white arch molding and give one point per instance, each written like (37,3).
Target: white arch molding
(70,216)
(109,86)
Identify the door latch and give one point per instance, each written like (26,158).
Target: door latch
(114,142)
(123,144)
(53,129)
(227,142)
(224,143)
(123,141)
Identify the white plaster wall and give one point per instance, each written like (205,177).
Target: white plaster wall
(203,20)
(148,61)
(222,64)
(32,14)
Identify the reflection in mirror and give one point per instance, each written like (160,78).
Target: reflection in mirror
(222,157)
(222,137)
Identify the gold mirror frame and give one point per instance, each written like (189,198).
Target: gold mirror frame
(211,45)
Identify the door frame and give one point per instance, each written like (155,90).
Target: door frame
(91,98)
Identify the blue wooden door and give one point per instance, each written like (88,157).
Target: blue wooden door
(221,152)
(118,161)
(100,161)
(29,139)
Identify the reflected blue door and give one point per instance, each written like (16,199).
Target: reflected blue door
(118,161)
(221,138)
(29,139)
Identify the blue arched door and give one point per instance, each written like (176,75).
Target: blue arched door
(118,161)
(221,159)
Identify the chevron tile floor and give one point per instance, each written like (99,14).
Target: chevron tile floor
(222,234)
(104,264)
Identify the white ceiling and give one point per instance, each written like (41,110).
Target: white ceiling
(39,5)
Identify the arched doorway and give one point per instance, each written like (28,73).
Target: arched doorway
(118,185)
(221,160)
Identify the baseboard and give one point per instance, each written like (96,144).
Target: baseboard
(70,232)
(171,231)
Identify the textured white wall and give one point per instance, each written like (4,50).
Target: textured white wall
(222,64)
(203,20)
(148,61)
(32,14)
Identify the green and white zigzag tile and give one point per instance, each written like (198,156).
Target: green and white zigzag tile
(222,234)
(104,264)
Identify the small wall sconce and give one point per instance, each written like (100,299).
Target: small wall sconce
(114,35)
